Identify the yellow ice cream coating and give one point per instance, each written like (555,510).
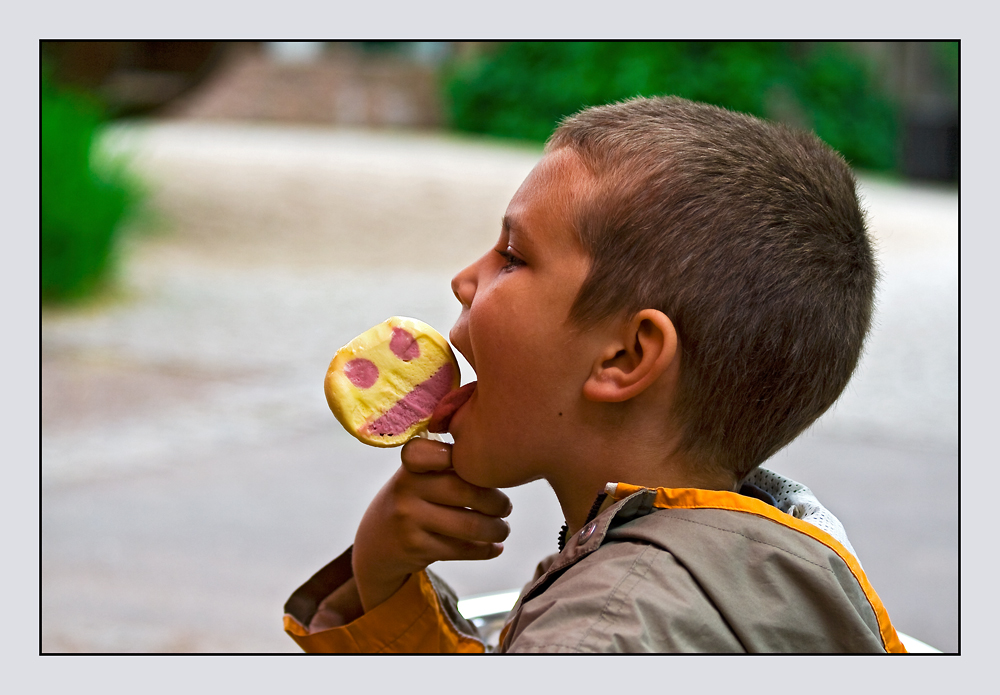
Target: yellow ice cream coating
(383,385)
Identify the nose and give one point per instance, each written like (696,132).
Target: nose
(464,285)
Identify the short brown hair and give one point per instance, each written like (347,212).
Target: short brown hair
(750,237)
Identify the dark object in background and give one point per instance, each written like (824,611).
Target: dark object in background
(930,144)
(133,77)
(927,75)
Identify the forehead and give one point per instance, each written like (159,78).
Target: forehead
(549,198)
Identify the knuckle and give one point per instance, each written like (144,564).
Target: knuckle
(409,543)
(403,512)
(402,482)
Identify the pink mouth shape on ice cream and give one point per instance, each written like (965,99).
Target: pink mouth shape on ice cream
(414,406)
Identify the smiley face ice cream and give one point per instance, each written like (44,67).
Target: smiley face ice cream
(384,385)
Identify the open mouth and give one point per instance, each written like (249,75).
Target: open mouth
(448,406)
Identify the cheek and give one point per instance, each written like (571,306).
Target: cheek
(506,360)
(492,333)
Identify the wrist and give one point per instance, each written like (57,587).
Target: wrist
(375,582)
(374,593)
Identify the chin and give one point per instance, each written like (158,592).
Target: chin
(474,454)
(468,464)
(484,470)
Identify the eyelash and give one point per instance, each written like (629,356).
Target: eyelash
(511,261)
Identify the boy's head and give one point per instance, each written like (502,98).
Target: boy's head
(750,238)
(747,237)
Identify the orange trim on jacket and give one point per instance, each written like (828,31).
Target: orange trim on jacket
(694,498)
(411,621)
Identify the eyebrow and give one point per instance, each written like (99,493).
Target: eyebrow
(510,224)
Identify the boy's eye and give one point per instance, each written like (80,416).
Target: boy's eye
(510,260)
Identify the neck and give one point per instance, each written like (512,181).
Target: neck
(580,485)
(576,507)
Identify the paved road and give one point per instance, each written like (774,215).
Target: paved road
(193,475)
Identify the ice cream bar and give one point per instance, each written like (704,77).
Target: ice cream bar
(384,385)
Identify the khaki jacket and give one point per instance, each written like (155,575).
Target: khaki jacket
(665,570)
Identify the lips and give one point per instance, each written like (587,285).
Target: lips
(449,405)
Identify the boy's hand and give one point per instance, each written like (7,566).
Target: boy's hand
(425,513)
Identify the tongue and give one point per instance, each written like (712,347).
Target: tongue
(445,409)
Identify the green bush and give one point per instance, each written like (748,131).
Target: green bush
(84,198)
(522,89)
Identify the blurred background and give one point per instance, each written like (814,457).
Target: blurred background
(219,217)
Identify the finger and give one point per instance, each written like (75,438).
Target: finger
(449,490)
(464,524)
(424,456)
(446,548)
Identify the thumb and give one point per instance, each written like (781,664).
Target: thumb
(421,455)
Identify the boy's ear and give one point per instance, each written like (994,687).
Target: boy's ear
(635,357)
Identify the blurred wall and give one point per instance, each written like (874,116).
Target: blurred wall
(133,77)
(372,84)
(397,84)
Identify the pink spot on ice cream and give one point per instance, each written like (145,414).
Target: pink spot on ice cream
(404,345)
(361,372)
(414,406)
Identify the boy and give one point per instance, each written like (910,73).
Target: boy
(677,292)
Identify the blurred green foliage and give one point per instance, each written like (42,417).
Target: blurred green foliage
(85,196)
(946,55)
(523,89)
